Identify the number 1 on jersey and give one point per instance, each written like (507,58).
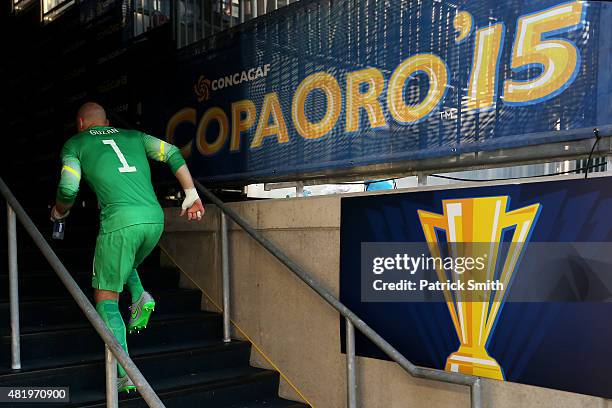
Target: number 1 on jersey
(126,167)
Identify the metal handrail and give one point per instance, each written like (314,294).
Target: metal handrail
(113,348)
(352,320)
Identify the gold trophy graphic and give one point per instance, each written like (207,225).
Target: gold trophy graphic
(473,227)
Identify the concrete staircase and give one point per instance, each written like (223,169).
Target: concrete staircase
(181,353)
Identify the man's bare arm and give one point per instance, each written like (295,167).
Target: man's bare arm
(60,210)
(184,177)
(159,150)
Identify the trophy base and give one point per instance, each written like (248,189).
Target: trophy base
(480,365)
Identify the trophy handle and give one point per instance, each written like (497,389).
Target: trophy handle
(429,222)
(523,219)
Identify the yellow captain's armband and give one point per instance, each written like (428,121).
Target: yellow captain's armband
(71,170)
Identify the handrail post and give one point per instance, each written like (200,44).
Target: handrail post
(226,282)
(13,288)
(241,10)
(351,378)
(112,399)
(476,394)
(144,388)
(355,321)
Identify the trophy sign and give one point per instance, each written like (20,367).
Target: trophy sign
(475,227)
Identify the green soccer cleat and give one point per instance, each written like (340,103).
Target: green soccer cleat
(124,384)
(140,312)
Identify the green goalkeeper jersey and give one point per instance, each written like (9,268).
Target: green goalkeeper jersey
(114,163)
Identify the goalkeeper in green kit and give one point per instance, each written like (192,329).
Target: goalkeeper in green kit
(114,163)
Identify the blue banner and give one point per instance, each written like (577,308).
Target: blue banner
(556,344)
(329,86)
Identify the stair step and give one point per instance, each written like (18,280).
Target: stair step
(79,257)
(86,270)
(251,387)
(74,343)
(97,355)
(164,371)
(73,232)
(77,214)
(217,376)
(45,282)
(38,314)
(31,257)
(269,403)
(75,235)
(180,353)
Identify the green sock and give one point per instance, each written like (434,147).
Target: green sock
(109,312)
(134,285)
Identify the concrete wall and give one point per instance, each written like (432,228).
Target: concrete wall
(298,331)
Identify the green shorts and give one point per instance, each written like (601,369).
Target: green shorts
(120,251)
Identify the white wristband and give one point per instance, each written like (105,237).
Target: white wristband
(191,196)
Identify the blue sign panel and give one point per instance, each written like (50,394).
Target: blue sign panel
(497,331)
(327,86)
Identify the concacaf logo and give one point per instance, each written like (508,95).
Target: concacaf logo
(202,88)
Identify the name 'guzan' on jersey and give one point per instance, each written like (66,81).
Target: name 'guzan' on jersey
(114,164)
